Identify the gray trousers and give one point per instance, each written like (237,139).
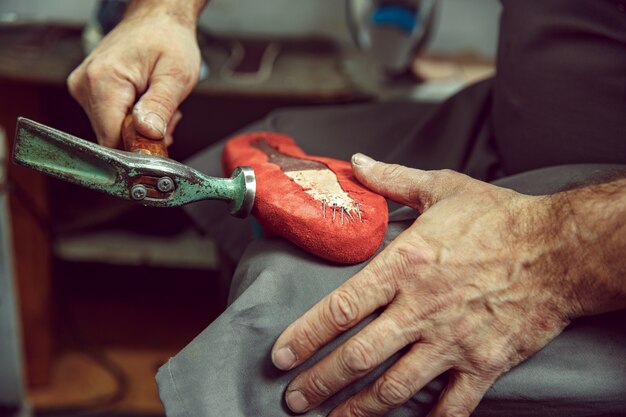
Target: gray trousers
(226,371)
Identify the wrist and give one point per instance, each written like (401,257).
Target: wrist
(185,12)
(591,241)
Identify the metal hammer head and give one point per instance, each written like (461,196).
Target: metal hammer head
(150,180)
(242,202)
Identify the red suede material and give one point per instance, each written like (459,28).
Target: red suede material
(283,208)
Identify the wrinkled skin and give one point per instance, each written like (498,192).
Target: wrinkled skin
(484,278)
(149,63)
(474,286)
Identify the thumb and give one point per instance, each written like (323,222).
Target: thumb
(412,187)
(153,112)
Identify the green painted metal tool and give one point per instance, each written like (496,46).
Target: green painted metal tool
(139,176)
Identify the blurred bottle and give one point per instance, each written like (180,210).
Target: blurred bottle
(392,31)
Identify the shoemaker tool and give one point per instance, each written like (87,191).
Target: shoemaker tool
(143,173)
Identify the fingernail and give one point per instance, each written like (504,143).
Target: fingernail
(296,401)
(155,121)
(362,160)
(284,358)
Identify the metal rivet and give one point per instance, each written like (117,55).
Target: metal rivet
(138,192)
(165,184)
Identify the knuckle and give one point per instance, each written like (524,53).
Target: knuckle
(457,410)
(73,82)
(358,357)
(343,310)
(409,253)
(189,78)
(317,386)
(487,362)
(184,75)
(484,367)
(179,78)
(95,72)
(498,363)
(453,179)
(415,192)
(354,409)
(463,329)
(164,103)
(392,391)
(305,339)
(392,171)
(406,321)
(447,173)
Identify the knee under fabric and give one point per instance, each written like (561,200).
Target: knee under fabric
(314,202)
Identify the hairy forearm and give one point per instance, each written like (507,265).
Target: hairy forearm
(593,223)
(185,11)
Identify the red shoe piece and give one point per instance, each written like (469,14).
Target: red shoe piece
(314,202)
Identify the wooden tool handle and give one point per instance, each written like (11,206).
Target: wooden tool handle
(133,142)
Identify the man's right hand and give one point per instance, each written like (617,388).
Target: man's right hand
(149,62)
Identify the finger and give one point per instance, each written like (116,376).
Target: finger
(76,86)
(461,396)
(413,187)
(168,87)
(106,101)
(106,117)
(169,134)
(107,109)
(337,312)
(386,335)
(397,385)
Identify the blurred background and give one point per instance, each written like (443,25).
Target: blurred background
(96,293)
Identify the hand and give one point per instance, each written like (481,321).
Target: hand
(153,56)
(476,285)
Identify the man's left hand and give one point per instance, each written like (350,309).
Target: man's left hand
(475,286)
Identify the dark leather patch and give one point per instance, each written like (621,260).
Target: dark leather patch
(285,162)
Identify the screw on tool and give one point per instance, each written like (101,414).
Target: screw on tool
(138,192)
(165,184)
